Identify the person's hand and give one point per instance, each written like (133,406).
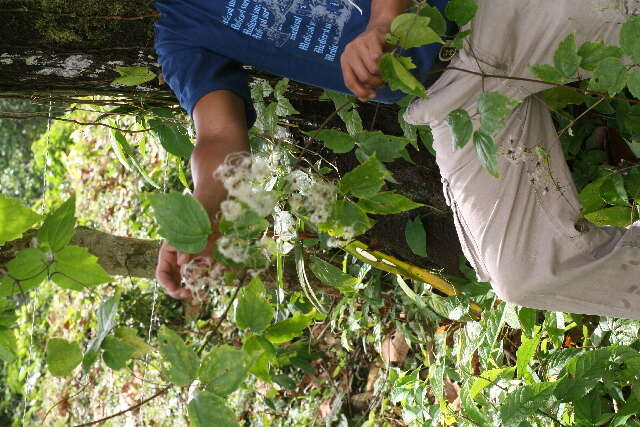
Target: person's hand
(170,261)
(360,61)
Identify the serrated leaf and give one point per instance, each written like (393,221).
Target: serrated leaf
(461,11)
(253,310)
(58,227)
(134,76)
(173,138)
(395,71)
(413,30)
(590,197)
(15,219)
(548,73)
(524,402)
(386,147)
(334,140)
(349,115)
(62,356)
(487,378)
(618,216)
(494,109)
(558,98)
(613,192)
(438,23)
(116,352)
(594,52)
(487,150)
(630,38)
(182,220)
(633,82)
(347,215)
(8,345)
(223,370)
(75,268)
(208,410)
(366,180)
(566,58)
(290,328)
(333,276)
(387,203)
(609,76)
(461,126)
(182,360)
(130,336)
(29,267)
(106,321)
(524,356)
(416,236)
(260,354)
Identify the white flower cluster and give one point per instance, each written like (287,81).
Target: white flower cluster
(200,275)
(234,248)
(284,229)
(315,196)
(244,176)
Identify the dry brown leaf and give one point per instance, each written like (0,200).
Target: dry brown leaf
(452,394)
(325,408)
(395,348)
(374,370)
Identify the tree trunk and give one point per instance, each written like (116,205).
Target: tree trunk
(67,49)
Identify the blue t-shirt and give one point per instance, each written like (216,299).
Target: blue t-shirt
(202,44)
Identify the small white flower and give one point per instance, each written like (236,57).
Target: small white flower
(234,249)
(231,210)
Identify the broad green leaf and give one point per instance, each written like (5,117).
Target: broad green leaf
(331,275)
(106,321)
(438,23)
(208,410)
(524,402)
(494,109)
(134,76)
(590,197)
(29,267)
(223,370)
(527,318)
(413,30)
(619,216)
(487,150)
(558,98)
(130,336)
(594,52)
(416,236)
(334,140)
(62,356)
(127,156)
(75,268)
(458,39)
(348,114)
(260,355)
(566,58)
(632,183)
(387,203)
(609,76)
(591,365)
(524,356)
(570,389)
(395,71)
(613,192)
(173,138)
(8,345)
(290,328)
(15,219)
(630,38)
(346,215)
(366,180)
(253,310)
(461,127)
(386,147)
(633,82)
(487,378)
(461,11)
(182,360)
(548,73)
(58,227)
(183,221)
(116,352)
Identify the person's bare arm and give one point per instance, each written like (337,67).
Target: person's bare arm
(221,129)
(360,58)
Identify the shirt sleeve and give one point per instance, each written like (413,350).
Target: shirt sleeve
(193,72)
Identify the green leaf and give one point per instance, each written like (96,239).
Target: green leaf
(416,236)
(487,150)
(461,127)
(619,216)
(525,354)
(613,192)
(438,23)
(62,356)
(461,11)
(173,138)
(347,215)
(349,115)
(129,336)
(633,82)
(566,58)
(331,275)
(632,183)
(334,140)
(548,73)
(183,221)
(223,370)
(8,345)
(386,147)
(487,378)
(58,227)
(106,321)
(366,180)
(609,76)
(183,361)
(134,76)
(558,98)
(290,328)
(630,38)
(524,402)
(75,268)
(15,219)
(594,52)
(413,30)
(116,353)
(590,197)
(527,318)
(253,310)
(395,71)
(29,267)
(494,109)
(260,354)
(387,203)
(208,410)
